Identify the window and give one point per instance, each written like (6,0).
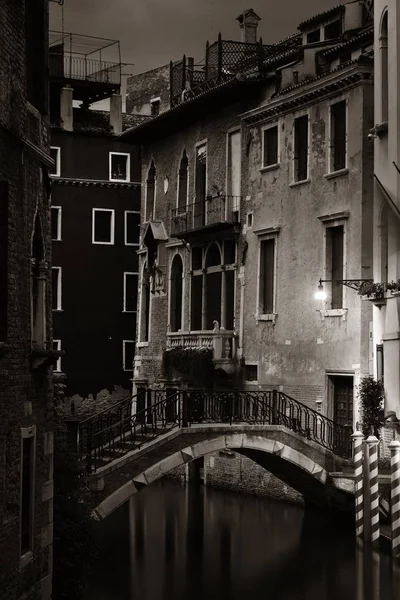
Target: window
(314,36)
(200,186)
(251,373)
(103,226)
(155,107)
(301,148)
(334,263)
(270,146)
(128,354)
(55,153)
(130,292)
(338,136)
(57,347)
(176,294)
(56,212)
(150,191)
(383,46)
(333,30)
(132,228)
(233,183)
(56,288)
(183,183)
(250,220)
(120,166)
(27,488)
(267,277)
(145,306)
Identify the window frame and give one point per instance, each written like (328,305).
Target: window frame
(143,343)
(146,190)
(57,162)
(154,101)
(171,261)
(251,381)
(264,129)
(112,226)
(198,145)
(59,223)
(27,433)
(124,292)
(124,354)
(126,212)
(264,235)
(331,154)
(305,113)
(57,368)
(59,288)
(187,182)
(128,166)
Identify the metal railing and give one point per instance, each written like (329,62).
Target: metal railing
(210,211)
(101,442)
(84,69)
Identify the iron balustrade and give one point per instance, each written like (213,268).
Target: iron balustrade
(84,69)
(120,429)
(210,211)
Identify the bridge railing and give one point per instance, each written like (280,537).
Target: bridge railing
(122,428)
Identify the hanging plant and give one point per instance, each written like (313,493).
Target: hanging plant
(371,289)
(194,365)
(371,395)
(393,286)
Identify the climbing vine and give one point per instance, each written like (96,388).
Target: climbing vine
(194,365)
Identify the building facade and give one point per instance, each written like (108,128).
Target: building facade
(385,136)
(26,355)
(95,221)
(257,184)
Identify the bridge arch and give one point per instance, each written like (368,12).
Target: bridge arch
(303,470)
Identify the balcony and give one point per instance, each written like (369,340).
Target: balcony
(211,215)
(221,341)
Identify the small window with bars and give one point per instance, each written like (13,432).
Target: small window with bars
(251,372)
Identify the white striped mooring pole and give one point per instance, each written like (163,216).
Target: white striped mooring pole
(358,439)
(395,496)
(372,448)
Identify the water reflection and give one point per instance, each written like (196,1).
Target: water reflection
(171,542)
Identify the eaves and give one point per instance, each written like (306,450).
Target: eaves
(94,183)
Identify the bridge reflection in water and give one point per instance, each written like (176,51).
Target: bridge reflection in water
(171,542)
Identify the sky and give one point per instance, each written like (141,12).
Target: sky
(153,32)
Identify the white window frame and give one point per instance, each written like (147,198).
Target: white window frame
(124,296)
(124,354)
(153,101)
(293,168)
(58,161)
(126,212)
(330,154)
(28,432)
(263,235)
(112,225)
(59,221)
(128,166)
(59,288)
(263,130)
(57,368)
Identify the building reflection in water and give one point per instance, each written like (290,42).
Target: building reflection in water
(172,542)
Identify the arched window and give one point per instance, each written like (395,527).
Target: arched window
(38,287)
(176,293)
(150,191)
(383,46)
(145,306)
(213,292)
(183,183)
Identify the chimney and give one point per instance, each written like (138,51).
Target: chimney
(248,22)
(116,113)
(66,109)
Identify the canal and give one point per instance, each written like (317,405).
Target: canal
(172,542)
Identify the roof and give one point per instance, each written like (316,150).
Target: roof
(366,34)
(157,229)
(316,19)
(97,122)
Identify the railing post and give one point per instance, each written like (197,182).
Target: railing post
(395,496)
(185,409)
(372,448)
(275,415)
(358,444)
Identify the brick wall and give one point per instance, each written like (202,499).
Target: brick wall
(25,394)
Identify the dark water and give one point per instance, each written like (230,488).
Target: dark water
(172,542)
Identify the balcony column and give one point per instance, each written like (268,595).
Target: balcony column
(223,299)
(204,304)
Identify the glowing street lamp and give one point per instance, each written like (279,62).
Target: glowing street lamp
(354,284)
(320,294)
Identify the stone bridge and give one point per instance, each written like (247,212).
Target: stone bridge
(300,462)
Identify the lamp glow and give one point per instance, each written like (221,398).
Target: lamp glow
(320,294)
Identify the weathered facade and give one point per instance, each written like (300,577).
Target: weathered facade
(257,184)
(95,223)
(26,355)
(385,139)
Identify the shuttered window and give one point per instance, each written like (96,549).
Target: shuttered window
(270,146)
(267,272)
(301,148)
(338,136)
(336,235)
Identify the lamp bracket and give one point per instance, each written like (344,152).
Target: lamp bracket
(354,284)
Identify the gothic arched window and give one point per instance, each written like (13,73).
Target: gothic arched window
(176,293)
(150,191)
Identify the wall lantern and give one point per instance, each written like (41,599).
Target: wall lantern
(354,284)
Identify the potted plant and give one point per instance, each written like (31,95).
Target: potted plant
(371,396)
(373,291)
(394,287)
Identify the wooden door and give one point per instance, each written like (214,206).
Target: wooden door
(343,400)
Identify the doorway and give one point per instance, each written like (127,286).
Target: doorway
(341,392)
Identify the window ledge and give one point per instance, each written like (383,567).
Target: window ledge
(57,240)
(25,559)
(271,317)
(334,312)
(296,183)
(58,310)
(103,243)
(338,173)
(142,344)
(269,168)
(128,312)
(119,180)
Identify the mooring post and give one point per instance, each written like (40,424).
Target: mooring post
(372,443)
(394,447)
(358,440)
